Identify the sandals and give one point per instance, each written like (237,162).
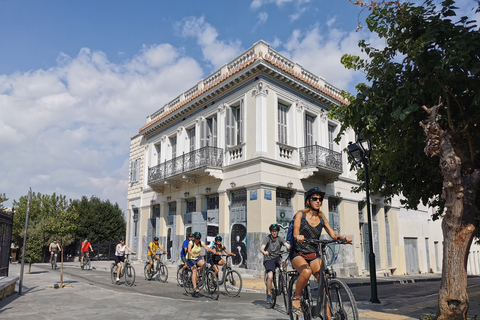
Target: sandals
(297,311)
(196,290)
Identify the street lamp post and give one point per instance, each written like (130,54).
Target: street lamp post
(360,154)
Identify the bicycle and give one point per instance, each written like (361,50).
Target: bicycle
(159,268)
(180,275)
(86,262)
(54,261)
(279,287)
(231,279)
(207,279)
(334,298)
(127,270)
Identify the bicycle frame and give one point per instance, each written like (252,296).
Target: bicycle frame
(326,272)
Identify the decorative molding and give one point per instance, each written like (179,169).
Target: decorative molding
(172,184)
(306,173)
(190,178)
(260,88)
(299,105)
(216,173)
(222,107)
(323,115)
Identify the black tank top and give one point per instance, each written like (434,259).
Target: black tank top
(309,232)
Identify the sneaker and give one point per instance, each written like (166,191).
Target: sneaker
(118,279)
(269,298)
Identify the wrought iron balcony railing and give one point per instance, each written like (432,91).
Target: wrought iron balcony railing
(322,157)
(200,158)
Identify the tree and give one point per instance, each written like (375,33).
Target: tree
(428,74)
(98,220)
(3,198)
(36,237)
(61,221)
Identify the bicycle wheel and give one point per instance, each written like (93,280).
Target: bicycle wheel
(187,281)
(274,291)
(211,284)
(89,264)
(305,301)
(233,283)
(113,273)
(129,276)
(282,282)
(162,273)
(180,276)
(148,276)
(342,303)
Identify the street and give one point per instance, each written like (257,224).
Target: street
(90,294)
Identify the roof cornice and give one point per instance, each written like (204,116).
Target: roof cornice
(260,58)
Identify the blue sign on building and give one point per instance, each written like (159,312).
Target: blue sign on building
(268,194)
(253,195)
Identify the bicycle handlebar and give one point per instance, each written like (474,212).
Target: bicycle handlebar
(325,242)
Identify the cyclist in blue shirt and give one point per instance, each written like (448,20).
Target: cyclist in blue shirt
(184,250)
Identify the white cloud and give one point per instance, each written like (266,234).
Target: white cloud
(67,129)
(319,51)
(300,6)
(215,51)
(262,19)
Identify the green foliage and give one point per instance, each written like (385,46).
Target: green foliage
(35,244)
(3,198)
(52,216)
(427,56)
(98,220)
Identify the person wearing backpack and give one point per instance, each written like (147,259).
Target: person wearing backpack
(308,224)
(270,248)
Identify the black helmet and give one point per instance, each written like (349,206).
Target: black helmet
(218,238)
(54,239)
(122,238)
(312,192)
(197,235)
(155,239)
(190,235)
(274,227)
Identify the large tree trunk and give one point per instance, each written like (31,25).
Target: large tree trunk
(458,224)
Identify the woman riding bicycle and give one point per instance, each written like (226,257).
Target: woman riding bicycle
(120,255)
(308,224)
(194,260)
(219,248)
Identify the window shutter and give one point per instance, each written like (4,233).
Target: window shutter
(203,133)
(138,171)
(214,132)
(229,127)
(240,123)
(132,170)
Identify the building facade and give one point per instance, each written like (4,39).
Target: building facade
(236,153)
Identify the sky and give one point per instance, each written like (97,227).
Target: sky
(79,78)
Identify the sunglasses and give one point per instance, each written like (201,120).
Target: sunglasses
(316,199)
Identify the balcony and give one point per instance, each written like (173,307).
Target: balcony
(187,163)
(328,162)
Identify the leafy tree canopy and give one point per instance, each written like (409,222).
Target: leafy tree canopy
(100,221)
(427,56)
(3,198)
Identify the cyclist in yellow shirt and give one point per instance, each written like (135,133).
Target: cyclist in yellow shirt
(152,252)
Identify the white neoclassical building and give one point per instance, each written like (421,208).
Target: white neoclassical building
(236,152)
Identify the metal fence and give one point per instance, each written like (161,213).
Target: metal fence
(6,223)
(102,250)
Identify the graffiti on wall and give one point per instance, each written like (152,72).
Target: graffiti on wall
(238,240)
